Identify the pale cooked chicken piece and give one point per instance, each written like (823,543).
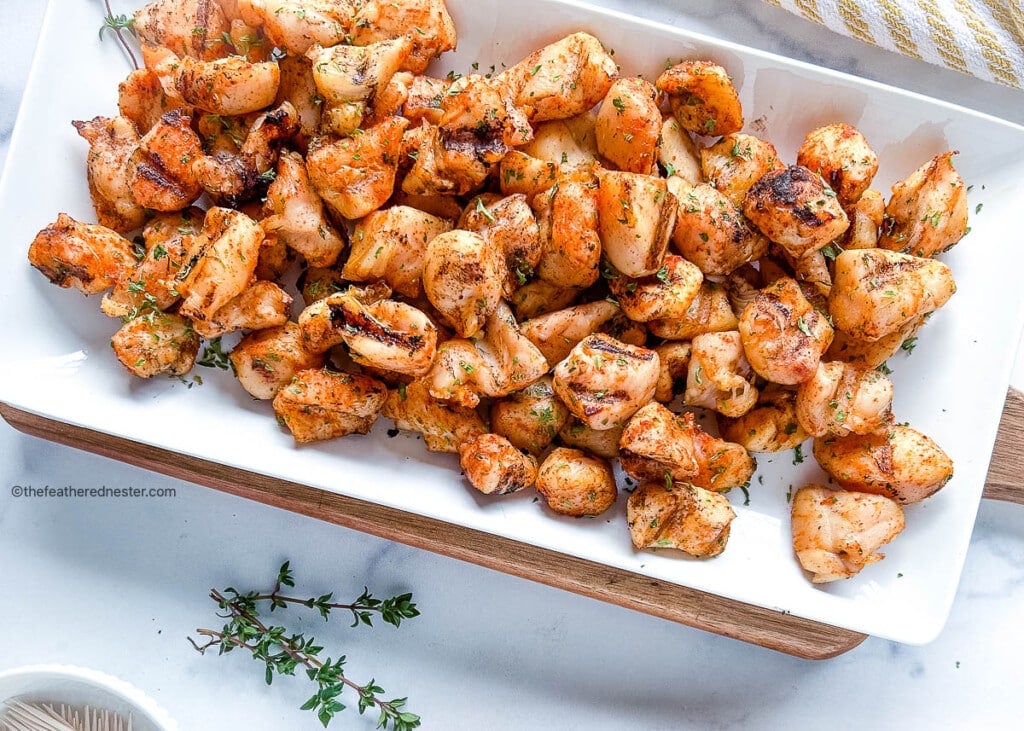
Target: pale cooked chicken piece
(390,244)
(703,98)
(901,463)
(494,365)
(163,179)
(141,98)
(530,418)
(784,336)
(736,162)
(568,220)
(260,306)
(837,533)
(113,155)
(234,178)
(771,426)
(575,483)
(600,442)
(636,217)
(356,74)
(719,376)
(667,294)
(322,404)
(841,155)
(564,79)
(654,444)
(193,28)
(866,218)
(265,361)
(151,284)
(537,297)
(678,154)
(228,86)
(88,257)
(156,344)
(927,213)
(443,426)
(462,278)
(426,22)
(222,262)
(796,209)
(295,25)
(876,292)
(709,312)
(508,225)
(298,89)
(677,515)
(628,125)
(356,175)
(871,353)
(557,333)
(842,399)
(604,381)
(674,360)
(565,144)
(297,214)
(711,232)
(495,467)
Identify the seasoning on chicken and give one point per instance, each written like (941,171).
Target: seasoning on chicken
(636,217)
(842,399)
(628,125)
(462,278)
(841,155)
(266,360)
(88,257)
(156,344)
(703,98)
(113,156)
(719,376)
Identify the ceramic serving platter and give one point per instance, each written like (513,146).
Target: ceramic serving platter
(57,362)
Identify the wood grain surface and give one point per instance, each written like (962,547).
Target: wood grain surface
(767,628)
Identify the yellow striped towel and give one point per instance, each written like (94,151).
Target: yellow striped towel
(983,38)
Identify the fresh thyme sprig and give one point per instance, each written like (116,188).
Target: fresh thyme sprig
(283,652)
(120,24)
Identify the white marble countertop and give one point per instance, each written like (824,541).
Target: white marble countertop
(118,585)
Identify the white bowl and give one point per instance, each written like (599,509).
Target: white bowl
(78,686)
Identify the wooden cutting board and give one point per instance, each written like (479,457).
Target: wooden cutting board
(765,627)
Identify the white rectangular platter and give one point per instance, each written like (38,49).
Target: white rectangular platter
(57,363)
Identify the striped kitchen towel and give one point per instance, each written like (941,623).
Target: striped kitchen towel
(984,38)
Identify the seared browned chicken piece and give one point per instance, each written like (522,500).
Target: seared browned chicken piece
(495,467)
(719,376)
(88,257)
(771,426)
(667,294)
(193,28)
(574,483)
(321,404)
(426,22)
(654,444)
(530,418)
(900,463)
(783,336)
(711,232)
(266,360)
(444,426)
(796,209)
(666,514)
(636,217)
(508,225)
(709,312)
(228,86)
(841,155)
(113,156)
(163,179)
(258,307)
(628,125)
(568,220)
(734,163)
(927,213)
(156,344)
(703,98)
(604,381)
